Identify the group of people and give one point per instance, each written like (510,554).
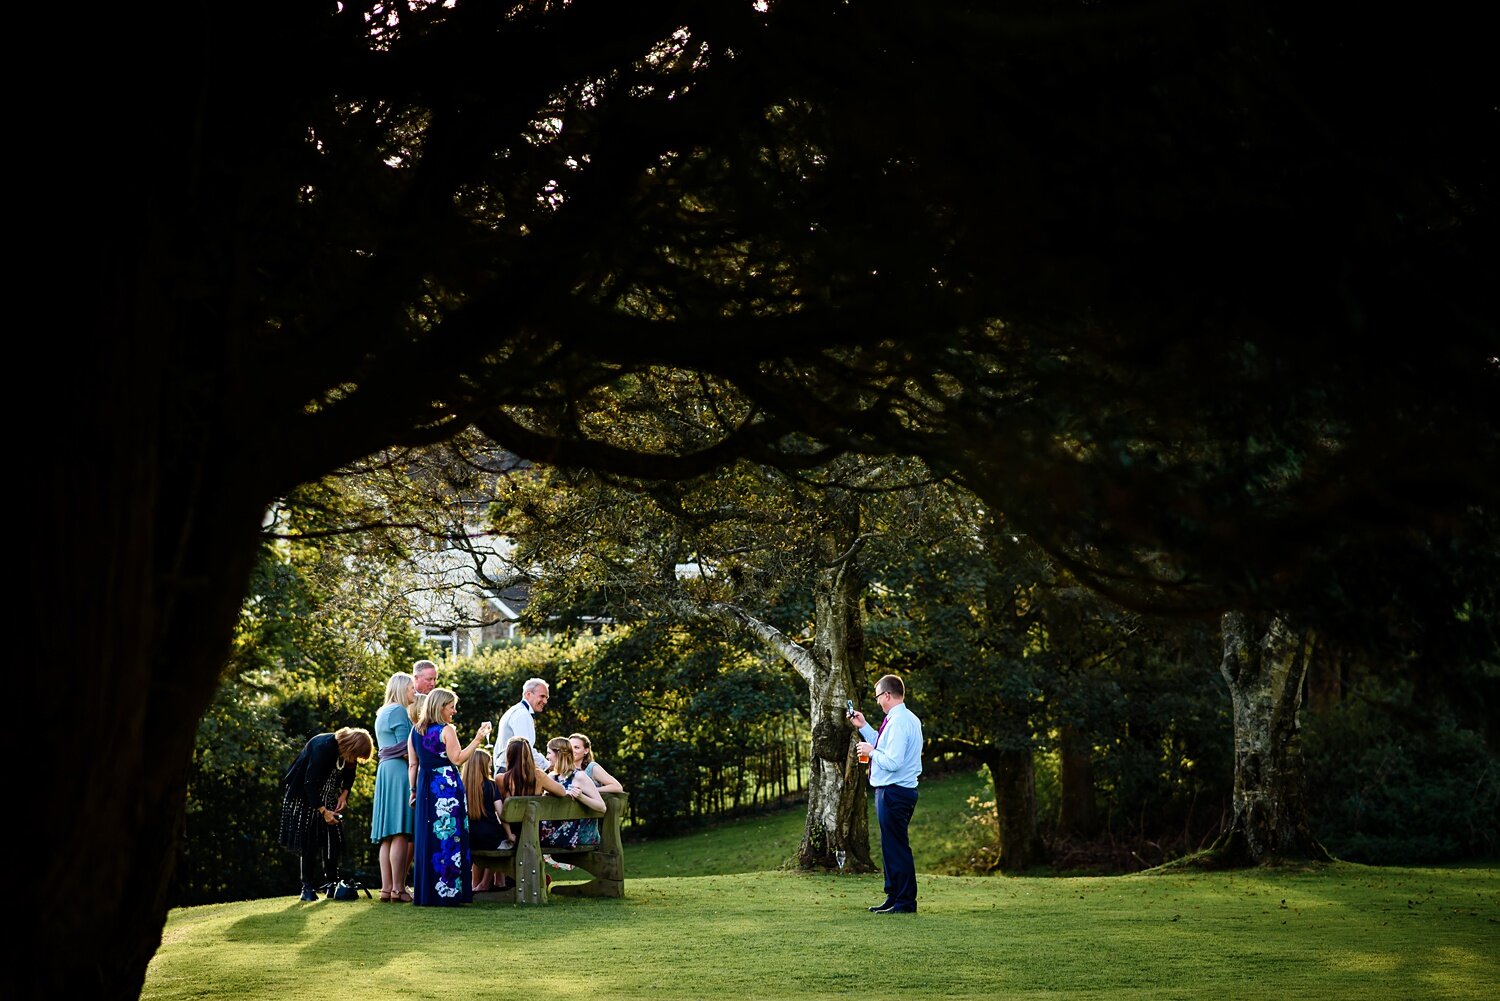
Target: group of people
(436,800)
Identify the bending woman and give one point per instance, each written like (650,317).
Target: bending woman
(442,841)
(391,818)
(314,792)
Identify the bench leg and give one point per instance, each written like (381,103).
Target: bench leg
(531,875)
(607,868)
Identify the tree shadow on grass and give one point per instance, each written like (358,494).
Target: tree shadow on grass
(329,929)
(286,925)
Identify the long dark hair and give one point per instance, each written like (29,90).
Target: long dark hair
(519,778)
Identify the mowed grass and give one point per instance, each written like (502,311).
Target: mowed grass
(1340,931)
(755,844)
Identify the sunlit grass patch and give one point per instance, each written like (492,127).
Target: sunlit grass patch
(1340,932)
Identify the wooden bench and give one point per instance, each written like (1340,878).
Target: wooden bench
(524,866)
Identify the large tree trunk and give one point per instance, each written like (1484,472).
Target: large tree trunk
(1078,812)
(1014,775)
(154,530)
(151,482)
(1265,663)
(834,670)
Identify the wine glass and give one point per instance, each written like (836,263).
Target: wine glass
(839,855)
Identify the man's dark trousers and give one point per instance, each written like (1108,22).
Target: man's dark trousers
(894,806)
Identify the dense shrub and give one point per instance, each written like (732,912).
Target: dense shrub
(1392,786)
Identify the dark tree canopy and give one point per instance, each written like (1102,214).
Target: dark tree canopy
(1201,296)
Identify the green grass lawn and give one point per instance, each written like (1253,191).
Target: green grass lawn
(741,929)
(755,844)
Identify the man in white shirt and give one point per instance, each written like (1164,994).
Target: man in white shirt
(519,721)
(895,755)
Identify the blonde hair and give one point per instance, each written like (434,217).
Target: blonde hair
(414,711)
(474,773)
(354,743)
(563,748)
(397,688)
(437,700)
(588,749)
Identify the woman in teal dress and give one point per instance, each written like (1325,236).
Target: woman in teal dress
(443,861)
(391,818)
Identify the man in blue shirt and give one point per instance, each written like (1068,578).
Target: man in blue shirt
(895,754)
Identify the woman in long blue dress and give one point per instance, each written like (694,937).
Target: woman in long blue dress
(442,857)
(391,818)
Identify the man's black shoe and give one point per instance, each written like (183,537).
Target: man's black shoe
(893,909)
(880,907)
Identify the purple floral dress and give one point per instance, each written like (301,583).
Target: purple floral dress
(442,837)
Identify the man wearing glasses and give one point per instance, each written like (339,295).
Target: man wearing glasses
(519,721)
(895,754)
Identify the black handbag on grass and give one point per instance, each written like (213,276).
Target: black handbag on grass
(345,890)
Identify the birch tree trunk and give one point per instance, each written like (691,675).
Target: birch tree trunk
(1265,663)
(838,793)
(834,669)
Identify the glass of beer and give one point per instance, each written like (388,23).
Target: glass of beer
(864,758)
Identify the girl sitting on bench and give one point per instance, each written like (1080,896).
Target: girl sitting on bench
(571,835)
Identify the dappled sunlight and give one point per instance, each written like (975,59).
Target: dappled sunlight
(1461,972)
(1362,962)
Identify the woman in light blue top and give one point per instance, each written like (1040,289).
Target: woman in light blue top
(391,819)
(583,758)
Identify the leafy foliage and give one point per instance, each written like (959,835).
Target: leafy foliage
(308,658)
(1395,784)
(693,725)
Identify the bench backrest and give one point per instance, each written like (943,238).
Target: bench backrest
(513,811)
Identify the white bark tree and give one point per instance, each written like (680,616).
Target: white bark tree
(833,668)
(1265,662)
